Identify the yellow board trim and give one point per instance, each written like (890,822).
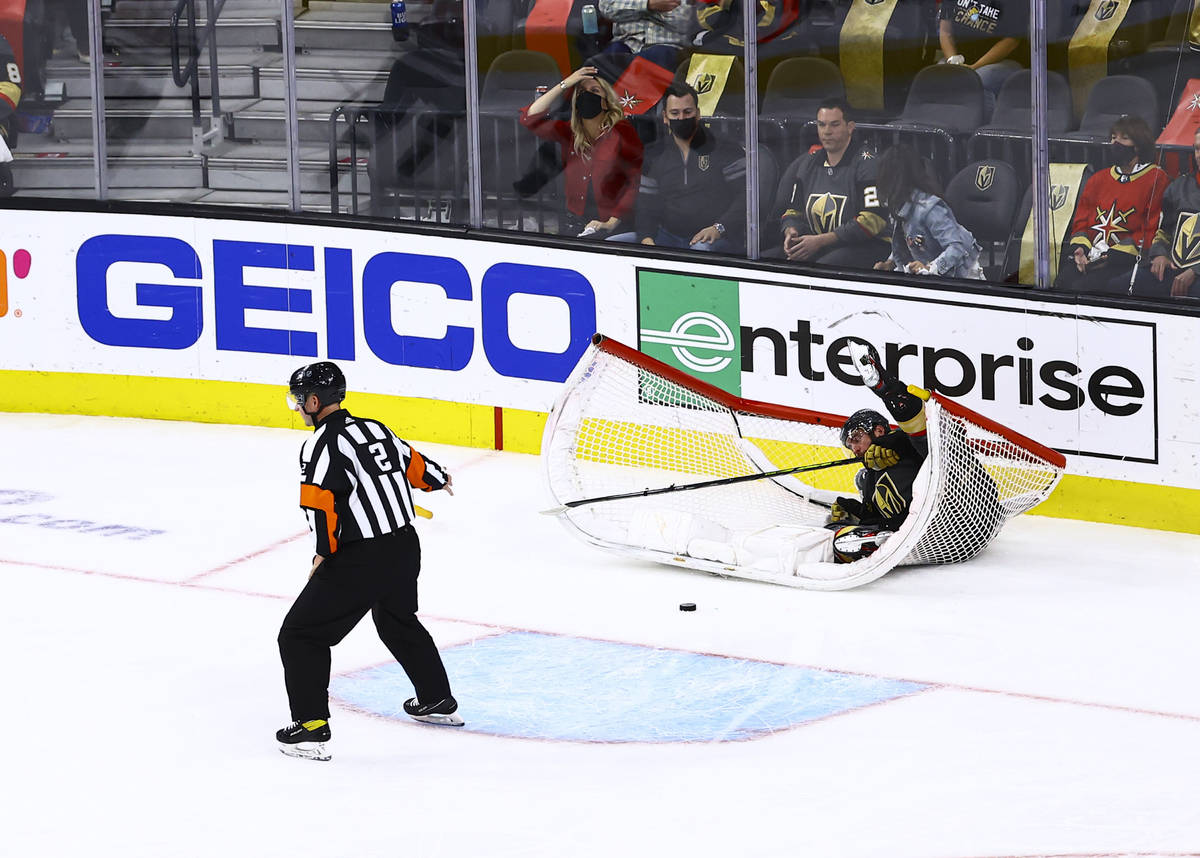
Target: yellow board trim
(202,401)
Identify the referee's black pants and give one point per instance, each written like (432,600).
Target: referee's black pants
(377,575)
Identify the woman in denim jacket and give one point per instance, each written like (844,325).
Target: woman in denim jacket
(926,238)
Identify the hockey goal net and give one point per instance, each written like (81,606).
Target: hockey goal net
(626,422)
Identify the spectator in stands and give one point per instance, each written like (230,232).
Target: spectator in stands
(1116,217)
(1175,254)
(927,238)
(601,151)
(654,29)
(693,184)
(831,209)
(776,27)
(989,36)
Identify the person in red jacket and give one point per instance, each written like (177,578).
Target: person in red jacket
(601,152)
(1117,217)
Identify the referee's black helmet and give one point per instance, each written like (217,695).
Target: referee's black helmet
(323,378)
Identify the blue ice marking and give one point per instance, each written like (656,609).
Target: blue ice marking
(539,686)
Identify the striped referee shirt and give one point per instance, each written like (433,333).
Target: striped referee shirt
(355,476)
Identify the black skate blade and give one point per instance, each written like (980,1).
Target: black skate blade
(307,751)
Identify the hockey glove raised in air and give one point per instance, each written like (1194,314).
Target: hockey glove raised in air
(879,457)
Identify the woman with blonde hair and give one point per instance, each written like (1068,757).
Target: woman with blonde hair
(601,152)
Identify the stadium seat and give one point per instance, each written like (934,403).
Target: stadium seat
(794,91)
(946,97)
(983,196)
(514,164)
(798,85)
(512,79)
(1110,99)
(1014,110)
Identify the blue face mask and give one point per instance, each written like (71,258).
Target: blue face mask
(588,105)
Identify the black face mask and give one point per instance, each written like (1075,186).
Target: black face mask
(1121,154)
(684,129)
(588,105)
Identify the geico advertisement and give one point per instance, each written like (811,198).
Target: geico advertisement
(410,315)
(1083,386)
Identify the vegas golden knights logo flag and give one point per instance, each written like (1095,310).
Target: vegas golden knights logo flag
(1087,55)
(638,83)
(1066,181)
(709,73)
(860,48)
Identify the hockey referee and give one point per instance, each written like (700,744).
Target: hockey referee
(355,476)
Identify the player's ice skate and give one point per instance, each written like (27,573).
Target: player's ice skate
(306,740)
(441,712)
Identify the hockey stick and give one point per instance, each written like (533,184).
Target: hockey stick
(727,481)
(421,511)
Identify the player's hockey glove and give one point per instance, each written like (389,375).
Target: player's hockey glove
(845,511)
(878,457)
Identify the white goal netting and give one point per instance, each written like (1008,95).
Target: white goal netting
(628,423)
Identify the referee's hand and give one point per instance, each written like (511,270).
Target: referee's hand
(446,487)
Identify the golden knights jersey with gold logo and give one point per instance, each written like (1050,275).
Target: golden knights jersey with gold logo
(818,198)
(1179,235)
(887,494)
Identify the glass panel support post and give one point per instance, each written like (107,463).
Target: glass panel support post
(1041,149)
(750,40)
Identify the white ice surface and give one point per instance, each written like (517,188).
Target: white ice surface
(142,686)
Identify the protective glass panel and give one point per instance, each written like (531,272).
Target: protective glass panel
(46,100)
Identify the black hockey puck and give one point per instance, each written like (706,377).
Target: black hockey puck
(687,606)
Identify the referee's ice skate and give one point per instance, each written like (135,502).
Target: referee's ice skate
(305,739)
(441,712)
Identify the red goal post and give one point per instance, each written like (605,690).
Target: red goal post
(626,422)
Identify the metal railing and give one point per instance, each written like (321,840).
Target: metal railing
(183,20)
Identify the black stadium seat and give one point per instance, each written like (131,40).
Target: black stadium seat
(946,97)
(983,196)
(1110,99)
(1014,111)
(795,90)
(515,164)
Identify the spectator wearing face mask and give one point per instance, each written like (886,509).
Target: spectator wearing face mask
(601,152)
(693,185)
(1116,217)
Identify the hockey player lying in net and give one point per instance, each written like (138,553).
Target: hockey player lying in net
(892,458)
(857,526)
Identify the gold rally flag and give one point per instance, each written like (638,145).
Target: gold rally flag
(1066,181)
(709,73)
(860,51)
(1087,54)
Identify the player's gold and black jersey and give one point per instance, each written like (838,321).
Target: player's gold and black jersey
(887,494)
(819,198)
(1178,236)
(355,479)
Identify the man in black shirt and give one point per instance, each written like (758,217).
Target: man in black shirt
(990,36)
(692,192)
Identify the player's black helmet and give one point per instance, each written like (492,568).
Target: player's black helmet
(864,419)
(323,378)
